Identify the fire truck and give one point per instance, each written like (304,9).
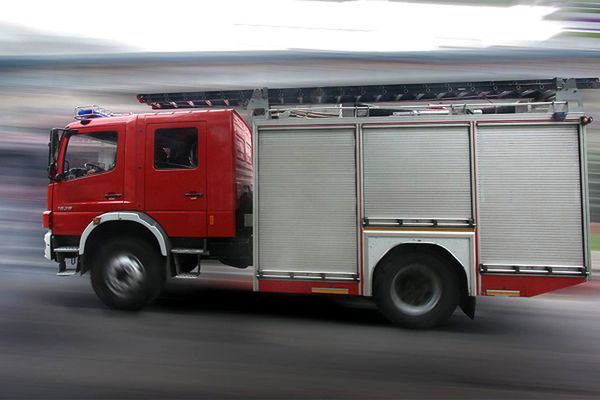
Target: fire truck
(420,196)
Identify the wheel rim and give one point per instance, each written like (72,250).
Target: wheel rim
(124,274)
(416,289)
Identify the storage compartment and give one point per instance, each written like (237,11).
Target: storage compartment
(307,208)
(417,173)
(529,197)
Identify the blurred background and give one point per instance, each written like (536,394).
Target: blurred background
(56,55)
(63,55)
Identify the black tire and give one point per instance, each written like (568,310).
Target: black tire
(127,273)
(417,291)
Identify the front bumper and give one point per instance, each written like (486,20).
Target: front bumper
(48,245)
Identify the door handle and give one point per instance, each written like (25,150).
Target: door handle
(194,195)
(111,196)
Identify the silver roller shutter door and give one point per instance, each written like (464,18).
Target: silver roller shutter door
(417,173)
(307,210)
(529,195)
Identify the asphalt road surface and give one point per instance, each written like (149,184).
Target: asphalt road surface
(200,340)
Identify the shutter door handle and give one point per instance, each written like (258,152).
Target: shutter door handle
(194,195)
(111,196)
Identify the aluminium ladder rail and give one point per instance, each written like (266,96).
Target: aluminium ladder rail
(260,100)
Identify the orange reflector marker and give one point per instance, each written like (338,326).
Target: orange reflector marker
(500,292)
(47,219)
(97,220)
(329,290)
(211,220)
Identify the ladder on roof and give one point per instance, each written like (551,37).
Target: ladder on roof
(259,101)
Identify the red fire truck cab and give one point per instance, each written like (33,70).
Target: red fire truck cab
(185,176)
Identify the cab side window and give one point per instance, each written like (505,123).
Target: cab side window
(90,154)
(176,148)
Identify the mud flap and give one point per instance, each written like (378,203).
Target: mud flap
(468,306)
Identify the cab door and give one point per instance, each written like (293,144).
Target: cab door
(91,178)
(175,176)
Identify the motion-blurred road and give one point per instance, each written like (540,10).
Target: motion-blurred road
(57,341)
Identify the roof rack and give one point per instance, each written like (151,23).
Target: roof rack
(370,110)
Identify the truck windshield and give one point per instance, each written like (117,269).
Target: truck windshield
(90,154)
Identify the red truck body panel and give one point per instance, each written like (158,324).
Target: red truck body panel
(218,178)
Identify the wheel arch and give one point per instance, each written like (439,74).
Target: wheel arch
(403,249)
(134,223)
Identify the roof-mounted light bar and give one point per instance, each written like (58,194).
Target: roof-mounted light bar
(89,112)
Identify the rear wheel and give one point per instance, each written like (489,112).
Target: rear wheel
(416,291)
(127,273)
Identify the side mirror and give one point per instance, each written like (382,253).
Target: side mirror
(56,136)
(52,172)
(53,175)
(54,140)
(53,153)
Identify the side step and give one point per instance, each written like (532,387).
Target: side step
(67,252)
(67,249)
(67,272)
(193,274)
(188,275)
(189,251)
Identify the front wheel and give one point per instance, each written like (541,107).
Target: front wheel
(127,273)
(416,291)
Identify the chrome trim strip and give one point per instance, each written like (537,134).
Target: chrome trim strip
(518,118)
(413,124)
(585,201)
(255,200)
(359,181)
(475,282)
(449,106)
(187,251)
(307,275)
(536,123)
(532,269)
(413,222)
(67,249)
(298,125)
